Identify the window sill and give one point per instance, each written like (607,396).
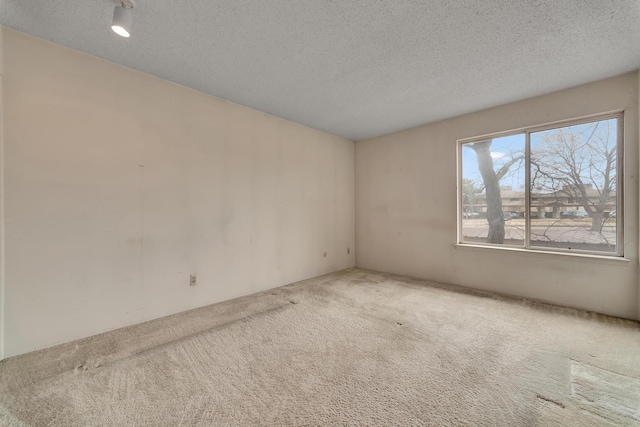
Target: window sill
(568,256)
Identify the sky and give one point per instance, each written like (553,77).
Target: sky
(505,148)
(502,151)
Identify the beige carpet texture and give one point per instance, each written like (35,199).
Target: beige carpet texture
(354,347)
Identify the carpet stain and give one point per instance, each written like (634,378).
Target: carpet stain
(605,394)
(546,400)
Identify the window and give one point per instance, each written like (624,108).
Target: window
(555,187)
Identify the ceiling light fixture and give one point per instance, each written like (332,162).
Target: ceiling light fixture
(122,19)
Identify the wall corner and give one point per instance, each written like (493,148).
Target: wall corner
(2,295)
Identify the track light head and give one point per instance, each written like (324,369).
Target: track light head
(122,19)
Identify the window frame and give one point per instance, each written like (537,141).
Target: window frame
(527,131)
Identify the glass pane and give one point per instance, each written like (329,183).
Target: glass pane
(493,191)
(573,187)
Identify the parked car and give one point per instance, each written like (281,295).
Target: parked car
(574,214)
(471,215)
(511,215)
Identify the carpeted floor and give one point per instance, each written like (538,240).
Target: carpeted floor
(350,348)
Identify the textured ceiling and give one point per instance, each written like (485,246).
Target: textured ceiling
(354,68)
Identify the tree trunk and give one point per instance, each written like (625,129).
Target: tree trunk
(495,217)
(596,221)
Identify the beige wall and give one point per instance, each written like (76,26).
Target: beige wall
(406,207)
(120,185)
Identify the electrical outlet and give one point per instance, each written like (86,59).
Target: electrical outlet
(193,280)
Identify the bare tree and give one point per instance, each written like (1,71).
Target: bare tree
(495,217)
(577,163)
(470,192)
(491,182)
